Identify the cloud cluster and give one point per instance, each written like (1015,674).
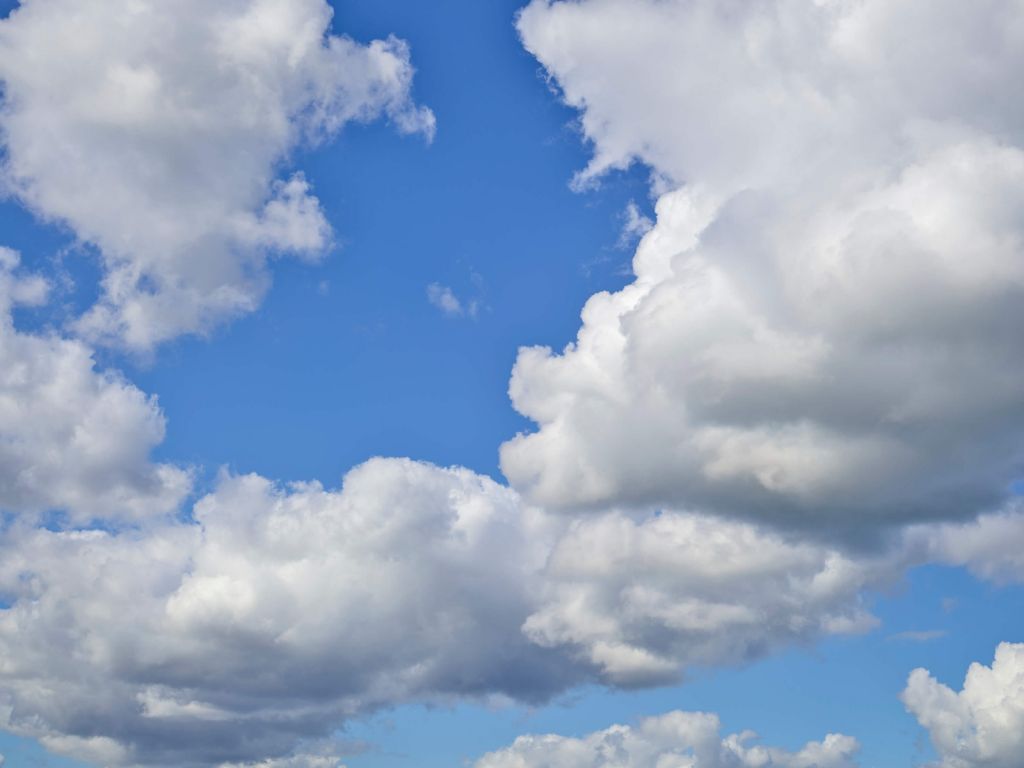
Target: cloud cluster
(275,614)
(822,332)
(156,131)
(675,740)
(73,439)
(981,726)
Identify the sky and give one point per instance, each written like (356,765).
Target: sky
(549,384)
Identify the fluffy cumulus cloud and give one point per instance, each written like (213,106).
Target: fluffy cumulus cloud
(275,614)
(822,331)
(991,547)
(272,618)
(982,726)
(675,740)
(74,440)
(156,131)
(642,601)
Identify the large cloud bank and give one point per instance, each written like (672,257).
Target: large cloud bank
(156,132)
(981,726)
(823,331)
(275,614)
(675,740)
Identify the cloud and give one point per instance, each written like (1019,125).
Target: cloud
(299,761)
(275,614)
(270,615)
(635,225)
(920,636)
(982,725)
(450,305)
(274,617)
(442,297)
(642,601)
(73,439)
(678,739)
(991,547)
(157,131)
(822,329)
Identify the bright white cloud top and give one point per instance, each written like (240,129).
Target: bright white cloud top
(824,326)
(675,740)
(981,726)
(156,132)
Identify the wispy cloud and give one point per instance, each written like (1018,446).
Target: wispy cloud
(444,298)
(920,636)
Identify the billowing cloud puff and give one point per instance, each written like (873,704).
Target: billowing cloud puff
(643,601)
(73,439)
(155,131)
(823,329)
(736,95)
(675,740)
(991,547)
(274,617)
(276,614)
(982,725)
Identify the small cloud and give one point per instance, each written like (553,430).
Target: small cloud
(636,225)
(444,298)
(920,636)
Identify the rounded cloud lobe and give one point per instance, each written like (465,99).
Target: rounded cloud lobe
(73,440)
(642,601)
(674,740)
(822,328)
(156,132)
(982,725)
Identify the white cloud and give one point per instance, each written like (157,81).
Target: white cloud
(299,761)
(273,615)
(920,635)
(442,297)
(156,131)
(280,613)
(635,225)
(823,327)
(273,618)
(73,439)
(981,726)
(641,602)
(675,740)
(991,547)
(445,299)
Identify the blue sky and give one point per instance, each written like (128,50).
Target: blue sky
(347,359)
